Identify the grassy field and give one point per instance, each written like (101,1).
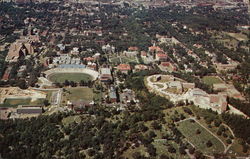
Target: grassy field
(16,102)
(70,119)
(162,148)
(76,77)
(188,129)
(159,85)
(123,59)
(210,80)
(80,93)
(238,36)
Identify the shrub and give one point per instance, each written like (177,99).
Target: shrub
(209,143)
(198,131)
(219,132)
(229,141)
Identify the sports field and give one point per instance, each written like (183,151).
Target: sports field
(20,101)
(210,80)
(76,77)
(189,130)
(80,93)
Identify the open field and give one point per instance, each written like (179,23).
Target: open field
(210,80)
(76,77)
(21,101)
(80,93)
(188,129)
(237,150)
(129,152)
(48,94)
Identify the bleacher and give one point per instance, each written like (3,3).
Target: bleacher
(71,66)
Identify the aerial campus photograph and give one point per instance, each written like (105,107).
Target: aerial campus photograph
(124,79)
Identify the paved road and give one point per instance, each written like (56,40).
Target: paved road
(59,97)
(225,147)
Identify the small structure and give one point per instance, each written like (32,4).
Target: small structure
(80,105)
(166,40)
(108,48)
(75,51)
(141,67)
(143,54)
(112,95)
(132,52)
(155,49)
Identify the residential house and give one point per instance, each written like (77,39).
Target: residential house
(161,57)
(155,49)
(124,68)
(143,54)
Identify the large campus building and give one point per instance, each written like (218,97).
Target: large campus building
(105,75)
(28,109)
(20,48)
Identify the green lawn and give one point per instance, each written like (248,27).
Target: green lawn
(188,129)
(76,77)
(16,102)
(210,80)
(80,93)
